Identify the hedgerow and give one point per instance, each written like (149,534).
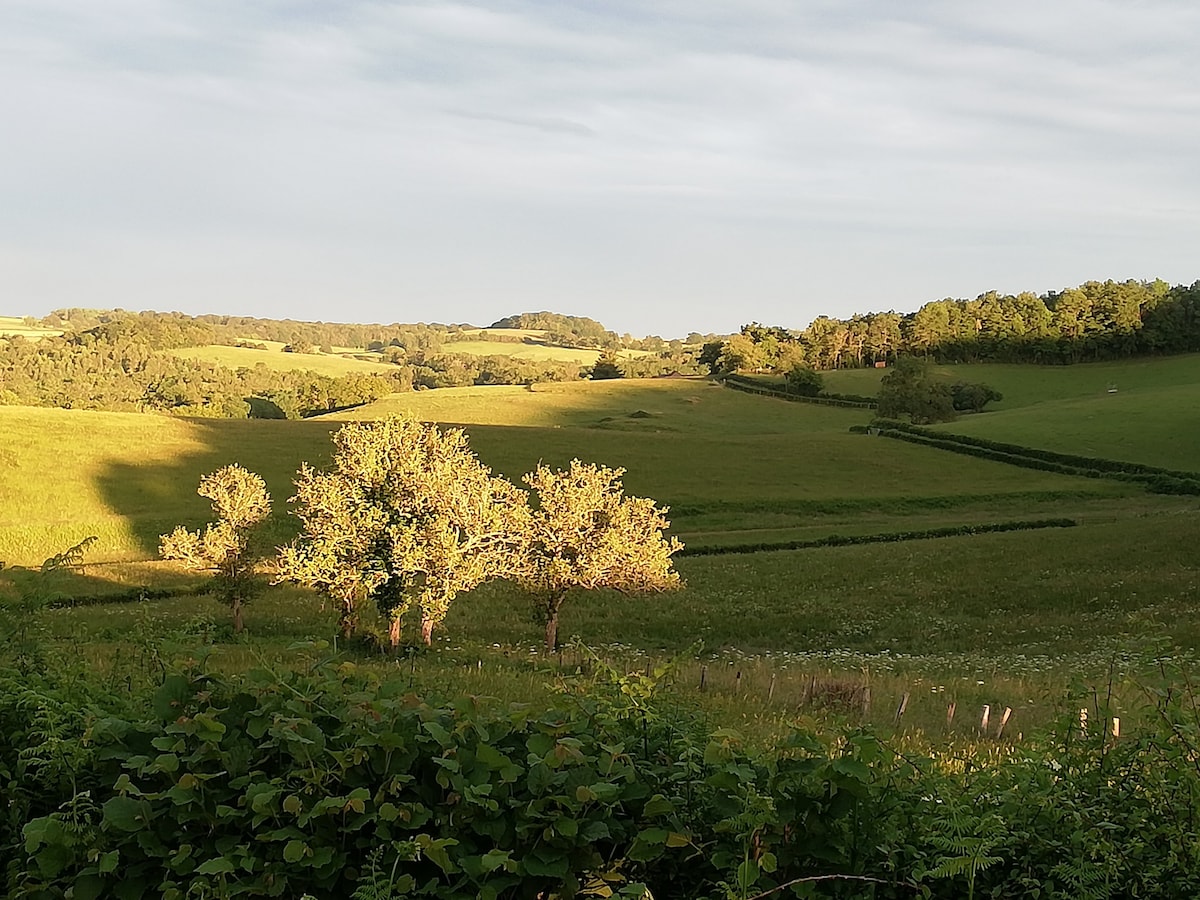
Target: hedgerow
(1158,480)
(836,540)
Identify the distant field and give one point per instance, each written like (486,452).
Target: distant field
(1153,416)
(1026,385)
(12,326)
(536,352)
(522,333)
(239,357)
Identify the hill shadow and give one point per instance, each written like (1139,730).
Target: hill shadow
(153,495)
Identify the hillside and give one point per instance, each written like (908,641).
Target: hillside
(1152,415)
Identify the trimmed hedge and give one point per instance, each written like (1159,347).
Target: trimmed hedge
(1155,479)
(837,540)
(753,386)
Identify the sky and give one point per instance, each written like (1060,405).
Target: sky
(664,166)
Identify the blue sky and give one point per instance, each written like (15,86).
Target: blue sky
(664,167)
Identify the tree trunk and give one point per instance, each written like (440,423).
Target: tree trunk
(346,620)
(553,605)
(394,632)
(238,624)
(427,631)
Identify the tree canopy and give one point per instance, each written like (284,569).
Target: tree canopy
(585,533)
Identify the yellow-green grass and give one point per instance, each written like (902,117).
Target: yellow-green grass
(127,477)
(1005,619)
(1152,416)
(1158,426)
(536,334)
(246,357)
(12,326)
(729,461)
(535,352)
(1026,385)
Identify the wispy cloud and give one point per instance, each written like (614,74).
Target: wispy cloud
(662,166)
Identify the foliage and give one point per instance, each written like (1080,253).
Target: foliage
(605,367)
(805,381)
(585,533)
(408,514)
(970,397)
(909,389)
(241,503)
(335,783)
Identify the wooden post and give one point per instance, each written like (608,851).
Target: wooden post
(902,707)
(983,722)
(1116,727)
(771,689)
(703,676)
(866,700)
(950,714)
(737,682)
(1003,721)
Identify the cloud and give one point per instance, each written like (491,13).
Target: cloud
(664,167)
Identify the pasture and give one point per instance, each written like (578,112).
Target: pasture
(1151,416)
(1008,619)
(13,326)
(332,365)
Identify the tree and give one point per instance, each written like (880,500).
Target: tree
(804,381)
(241,502)
(969,396)
(407,515)
(584,533)
(605,367)
(908,389)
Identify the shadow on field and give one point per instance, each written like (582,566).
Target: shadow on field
(157,491)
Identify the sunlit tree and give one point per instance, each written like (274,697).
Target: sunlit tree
(226,547)
(407,515)
(584,533)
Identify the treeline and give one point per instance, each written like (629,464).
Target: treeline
(116,360)
(1095,321)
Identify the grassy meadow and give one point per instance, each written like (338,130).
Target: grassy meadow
(1005,619)
(333,365)
(13,326)
(1152,416)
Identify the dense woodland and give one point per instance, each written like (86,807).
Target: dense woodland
(1095,321)
(115,359)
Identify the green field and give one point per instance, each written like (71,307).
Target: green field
(1152,416)
(1005,619)
(248,357)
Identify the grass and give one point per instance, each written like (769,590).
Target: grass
(248,357)
(536,352)
(12,326)
(1153,416)
(1004,619)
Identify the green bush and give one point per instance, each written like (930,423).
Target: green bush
(339,785)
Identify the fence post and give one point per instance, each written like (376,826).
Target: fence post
(902,707)
(1003,721)
(983,722)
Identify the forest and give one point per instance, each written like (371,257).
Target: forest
(1099,320)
